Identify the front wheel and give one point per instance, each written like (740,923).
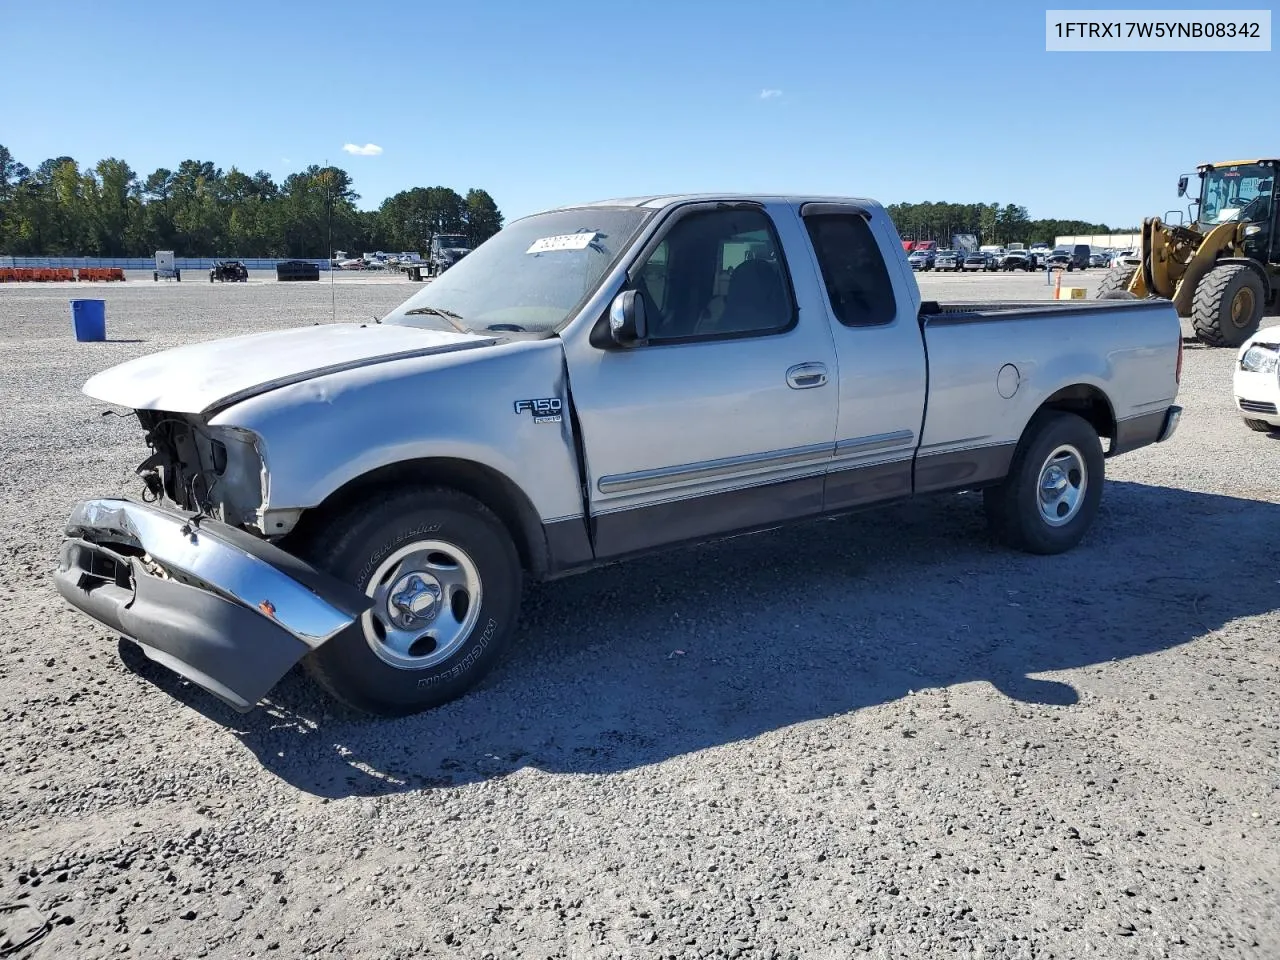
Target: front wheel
(1117,279)
(445,581)
(1228,305)
(1260,426)
(1050,497)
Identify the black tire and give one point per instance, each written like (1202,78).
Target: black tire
(1014,507)
(1117,280)
(354,548)
(1117,295)
(1260,426)
(1219,318)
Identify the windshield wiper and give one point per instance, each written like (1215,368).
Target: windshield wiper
(509,327)
(455,319)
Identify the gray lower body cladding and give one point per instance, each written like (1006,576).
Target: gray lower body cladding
(229,612)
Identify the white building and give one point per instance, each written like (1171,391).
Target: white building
(1102,241)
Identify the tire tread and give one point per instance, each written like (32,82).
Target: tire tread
(360,521)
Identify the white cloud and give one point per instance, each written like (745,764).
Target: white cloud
(368,150)
(769,94)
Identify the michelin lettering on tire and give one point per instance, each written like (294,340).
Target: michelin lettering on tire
(391,545)
(462,666)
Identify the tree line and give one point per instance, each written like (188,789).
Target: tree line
(199,210)
(107,210)
(991,222)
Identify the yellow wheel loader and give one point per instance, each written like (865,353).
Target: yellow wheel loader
(1222,270)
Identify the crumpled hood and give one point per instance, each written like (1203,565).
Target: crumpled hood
(204,377)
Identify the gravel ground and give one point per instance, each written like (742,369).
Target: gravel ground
(874,736)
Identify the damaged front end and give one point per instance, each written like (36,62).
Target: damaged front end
(226,609)
(216,471)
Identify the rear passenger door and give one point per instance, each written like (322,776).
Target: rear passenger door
(879,355)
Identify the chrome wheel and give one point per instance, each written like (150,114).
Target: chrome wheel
(426,600)
(1062,484)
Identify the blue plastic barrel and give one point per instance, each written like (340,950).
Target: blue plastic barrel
(89,319)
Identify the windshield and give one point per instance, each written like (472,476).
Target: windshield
(1236,193)
(528,277)
(452,240)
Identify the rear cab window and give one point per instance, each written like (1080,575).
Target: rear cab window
(854,273)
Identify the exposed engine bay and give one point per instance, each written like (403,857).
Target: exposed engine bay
(216,471)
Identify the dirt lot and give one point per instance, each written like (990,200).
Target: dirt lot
(875,736)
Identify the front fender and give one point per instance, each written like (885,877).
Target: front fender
(318,435)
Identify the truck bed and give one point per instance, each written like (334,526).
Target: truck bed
(934,313)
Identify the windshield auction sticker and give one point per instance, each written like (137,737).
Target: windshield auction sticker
(1155,31)
(566,241)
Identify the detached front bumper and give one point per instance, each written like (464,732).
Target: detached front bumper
(228,611)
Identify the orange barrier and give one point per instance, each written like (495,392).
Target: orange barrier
(59,274)
(101,273)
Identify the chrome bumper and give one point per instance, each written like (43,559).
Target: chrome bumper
(228,611)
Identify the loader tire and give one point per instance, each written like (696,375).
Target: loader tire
(1116,280)
(1228,305)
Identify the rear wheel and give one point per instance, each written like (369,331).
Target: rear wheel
(1228,305)
(1050,498)
(445,581)
(1116,280)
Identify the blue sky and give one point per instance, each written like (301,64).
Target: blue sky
(559,101)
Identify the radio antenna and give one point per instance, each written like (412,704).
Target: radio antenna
(328,202)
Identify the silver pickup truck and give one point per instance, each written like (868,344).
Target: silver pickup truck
(590,384)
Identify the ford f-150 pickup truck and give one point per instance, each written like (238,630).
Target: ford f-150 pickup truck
(592,383)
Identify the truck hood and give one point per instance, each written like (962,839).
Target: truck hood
(204,377)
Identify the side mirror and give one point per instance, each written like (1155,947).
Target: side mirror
(1182,185)
(627,322)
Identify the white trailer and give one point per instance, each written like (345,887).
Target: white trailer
(165,267)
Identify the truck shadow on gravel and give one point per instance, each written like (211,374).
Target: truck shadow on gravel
(642,662)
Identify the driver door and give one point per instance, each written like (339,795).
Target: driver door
(724,419)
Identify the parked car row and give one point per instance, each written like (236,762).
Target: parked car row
(1078,257)
(1039,257)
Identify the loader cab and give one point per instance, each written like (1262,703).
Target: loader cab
(1243,193)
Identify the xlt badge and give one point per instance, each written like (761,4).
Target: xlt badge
(544,410)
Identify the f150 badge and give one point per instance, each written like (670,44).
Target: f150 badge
(544,410)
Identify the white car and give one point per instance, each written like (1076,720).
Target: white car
(1257,380)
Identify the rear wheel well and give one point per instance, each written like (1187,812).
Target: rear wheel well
(1088,402)
(495,490)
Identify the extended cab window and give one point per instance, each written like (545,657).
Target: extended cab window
(717,273)
(853,269)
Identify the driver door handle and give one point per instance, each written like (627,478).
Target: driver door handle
(805,375)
